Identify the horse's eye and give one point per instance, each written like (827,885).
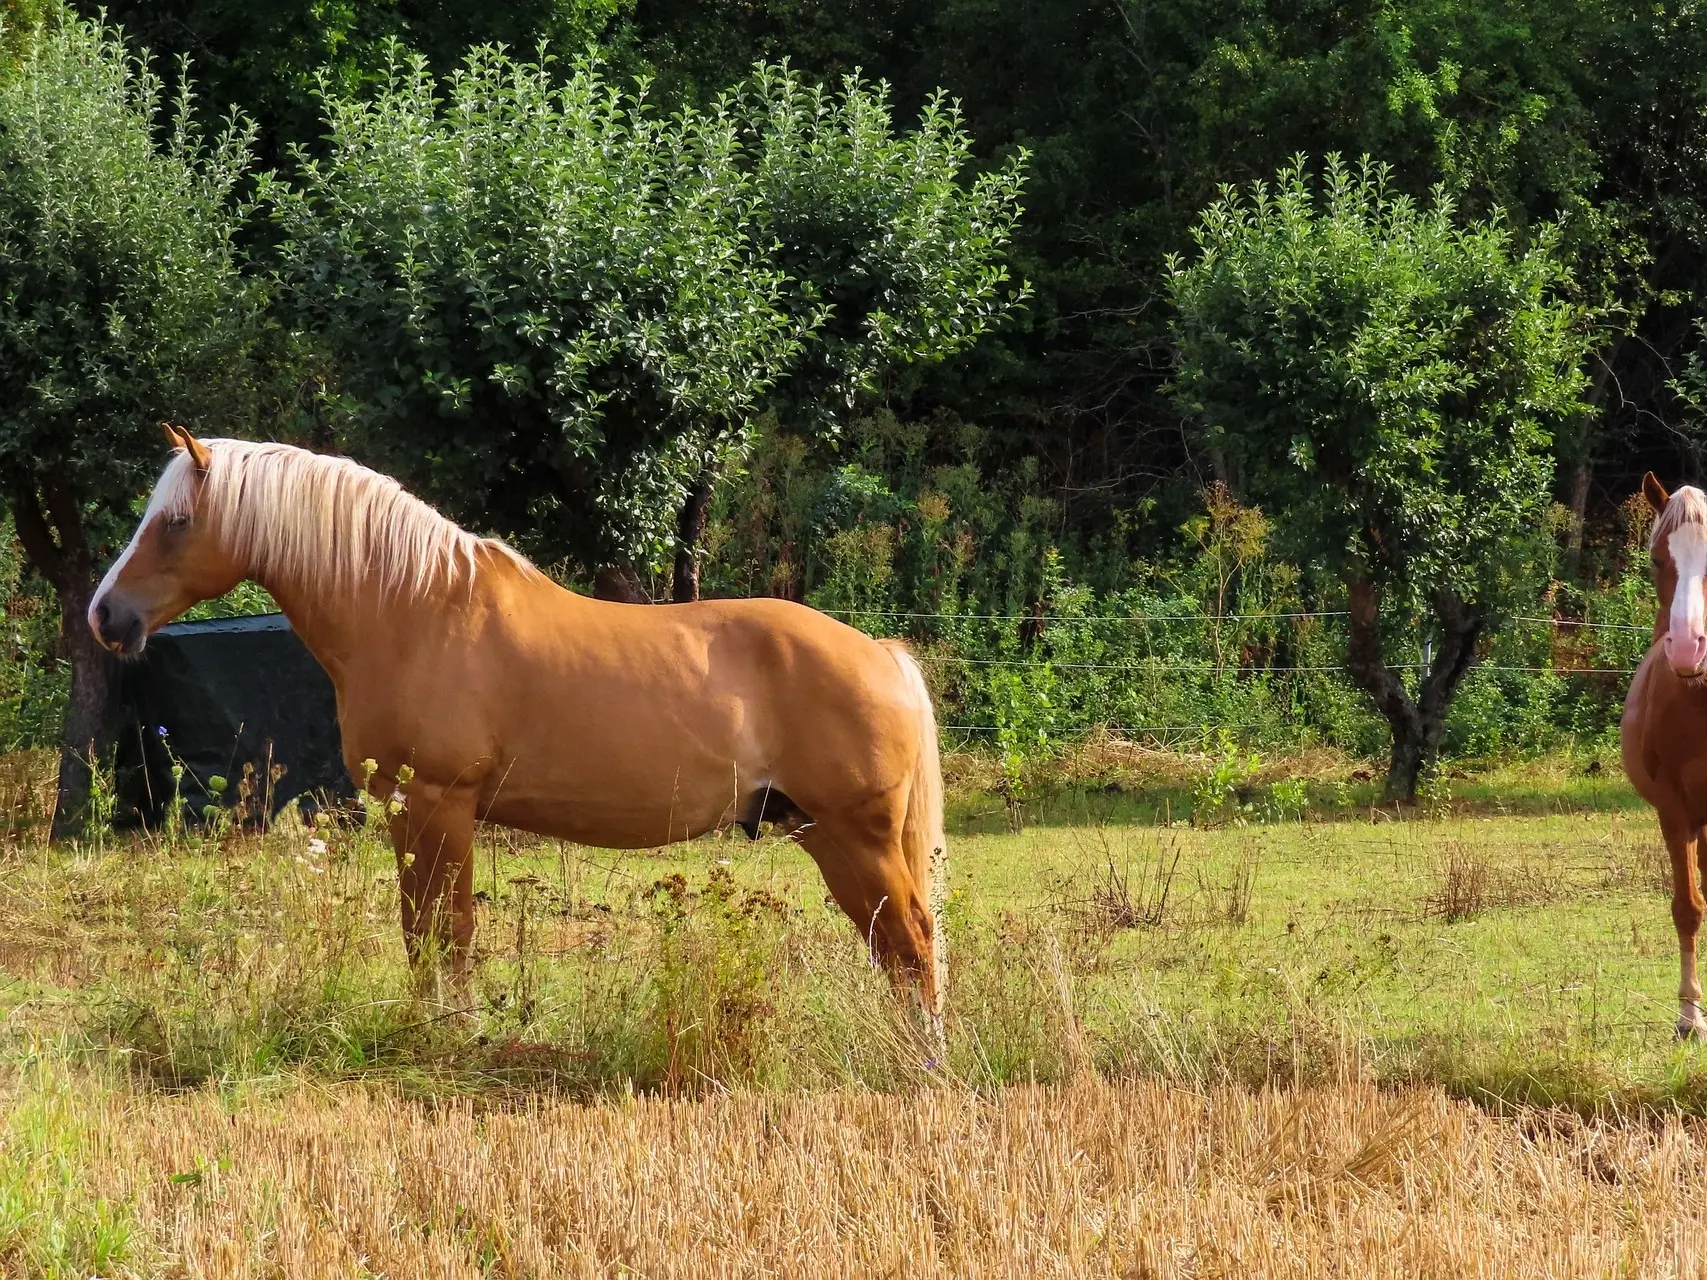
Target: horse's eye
(177,522)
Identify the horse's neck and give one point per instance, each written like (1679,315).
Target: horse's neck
(342,629)
(361,631)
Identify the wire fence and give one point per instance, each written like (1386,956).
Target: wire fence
(1212,667)
(1292,615)
(1069,624)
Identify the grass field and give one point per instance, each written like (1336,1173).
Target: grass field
(1346,1044)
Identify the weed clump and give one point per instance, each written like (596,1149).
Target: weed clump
(1462,882)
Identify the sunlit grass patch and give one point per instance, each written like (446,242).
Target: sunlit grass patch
(1482,954)
(1523,964)
(55,1221)
(1103,777)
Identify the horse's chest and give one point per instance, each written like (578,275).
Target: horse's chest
(1675,759)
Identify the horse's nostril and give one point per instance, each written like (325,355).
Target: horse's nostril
(102,613)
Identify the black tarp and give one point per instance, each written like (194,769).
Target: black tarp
(220,694)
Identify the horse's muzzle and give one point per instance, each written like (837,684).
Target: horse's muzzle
(117,625)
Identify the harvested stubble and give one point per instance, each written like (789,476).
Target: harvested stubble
(1086,1179)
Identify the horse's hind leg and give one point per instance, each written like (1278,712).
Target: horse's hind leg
(868,875)
(435,879)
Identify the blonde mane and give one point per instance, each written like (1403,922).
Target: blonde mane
(1687,506)
(310,518)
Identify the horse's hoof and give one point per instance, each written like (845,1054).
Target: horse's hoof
(1696,1030)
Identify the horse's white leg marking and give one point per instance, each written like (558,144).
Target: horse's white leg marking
(1691,1022)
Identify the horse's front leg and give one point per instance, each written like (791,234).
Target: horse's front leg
(433,832)
(1683,842)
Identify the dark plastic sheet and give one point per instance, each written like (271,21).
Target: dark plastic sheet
(220,694)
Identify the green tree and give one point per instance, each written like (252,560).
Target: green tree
(268,56)
(543,297)
(121,304)
(1385,381)
(19,21)
(561,311)
(892,254)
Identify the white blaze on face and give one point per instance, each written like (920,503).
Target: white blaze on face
(1686,639)
(166,492)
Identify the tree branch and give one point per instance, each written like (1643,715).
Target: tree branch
(33,532)
(1365,659)
(67,513)
(1461,627)
(690,528)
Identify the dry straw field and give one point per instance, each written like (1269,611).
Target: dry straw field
(1088,1178)
(1340,1045)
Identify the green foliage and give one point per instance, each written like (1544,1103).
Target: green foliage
(51,1224)
(559,308)
(268,55)
(894,260)
(1216,796)
(1287,800)
(1135,114)
(32,677)
(1383,377)
(19,22)
(244,600)
(1042,473)
(544,297)
(121,300)
(1030,642)
(121,304)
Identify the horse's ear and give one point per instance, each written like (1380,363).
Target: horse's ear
(180,438)
(1655,492)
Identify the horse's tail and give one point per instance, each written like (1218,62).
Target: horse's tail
(921,834)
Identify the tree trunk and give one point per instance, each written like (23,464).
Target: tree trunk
(59,552)
(89,714)
(1368,667)
(1418,725)
(690,528)
(1580,454)
(1581,475)
(619,582)
(1459,627)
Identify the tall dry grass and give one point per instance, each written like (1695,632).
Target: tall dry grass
(232,958)
(1086,1179)
(211,1065)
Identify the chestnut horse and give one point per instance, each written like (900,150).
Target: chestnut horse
(1665,719)
(515,701)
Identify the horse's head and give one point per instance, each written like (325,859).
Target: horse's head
(1678,548)
(173,560)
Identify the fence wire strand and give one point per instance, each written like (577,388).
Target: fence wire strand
(1289,615)
(1163,667)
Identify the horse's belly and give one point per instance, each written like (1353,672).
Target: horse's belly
(634,812)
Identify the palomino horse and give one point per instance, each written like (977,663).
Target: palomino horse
(1665,719)
(515,701)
